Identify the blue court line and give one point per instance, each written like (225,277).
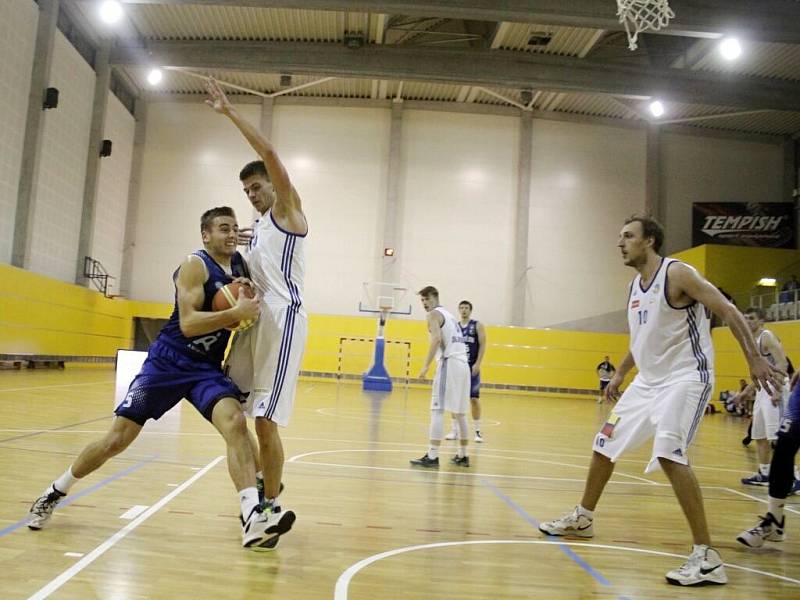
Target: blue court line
(564,548)
(35,433)
(73,497)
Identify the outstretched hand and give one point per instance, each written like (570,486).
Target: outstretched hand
(765,376)
(217,98)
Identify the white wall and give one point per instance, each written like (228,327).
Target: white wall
(458,178)
(585,180)
(18,20)
(191,163)
(458,194)
(704,169)
(336,158)
(112,191)
(59,188)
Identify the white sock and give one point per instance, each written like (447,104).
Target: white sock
(776,507)
(764,469)
(433,452)
(477,423)
(796,472)
(699,548)
(248,497)
(585,512)
(65,482)
(462,451)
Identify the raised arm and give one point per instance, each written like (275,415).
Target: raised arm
(686,284)
(193,320)
(287,200)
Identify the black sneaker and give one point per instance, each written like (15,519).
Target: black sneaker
(462,461)
(426,461)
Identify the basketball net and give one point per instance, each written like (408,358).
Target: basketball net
(640,15)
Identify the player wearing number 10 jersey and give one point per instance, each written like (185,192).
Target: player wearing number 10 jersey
(670,344)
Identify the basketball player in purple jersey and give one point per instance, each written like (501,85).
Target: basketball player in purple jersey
(185,362)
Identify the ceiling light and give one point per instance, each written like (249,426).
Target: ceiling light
(730,48)
(110,11)
(767,282)
(154,77)
(656,108)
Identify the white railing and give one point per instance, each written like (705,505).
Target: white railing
(778,305)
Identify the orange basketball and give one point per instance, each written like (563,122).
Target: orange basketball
(225,298)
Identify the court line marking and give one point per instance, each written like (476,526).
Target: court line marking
(60,385)
(571,554)
(133,512)
(343,582)
(296,458)
(74,554)
(64,577)
(762,500)
(414,420)
(76,496)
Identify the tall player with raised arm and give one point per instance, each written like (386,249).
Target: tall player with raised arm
(265,359)
(670,344)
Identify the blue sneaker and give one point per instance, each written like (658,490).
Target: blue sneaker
(757,479)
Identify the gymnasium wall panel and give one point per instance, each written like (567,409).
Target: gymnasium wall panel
(337,158)
(458,199)
(706,169)
(59,188)
(192,161)
(18,21)
(112,190)
(585,180)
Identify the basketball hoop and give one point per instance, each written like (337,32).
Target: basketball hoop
(640,15)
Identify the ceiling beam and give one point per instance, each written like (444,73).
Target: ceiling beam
(468,66)
(766,20)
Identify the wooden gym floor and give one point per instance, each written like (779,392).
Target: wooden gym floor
(368,525)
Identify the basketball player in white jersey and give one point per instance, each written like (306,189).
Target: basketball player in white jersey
(767,409)
(670,344)
(452,380)
(265,359)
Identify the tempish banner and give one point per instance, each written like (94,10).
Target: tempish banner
(767,224)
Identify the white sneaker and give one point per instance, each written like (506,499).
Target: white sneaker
(42,509)
(703,567)
(768,530)
(279,522)
(570,524)
(478,437)
(453,435)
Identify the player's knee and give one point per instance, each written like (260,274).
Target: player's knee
(114,443)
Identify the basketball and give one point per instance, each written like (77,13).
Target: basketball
(225,298)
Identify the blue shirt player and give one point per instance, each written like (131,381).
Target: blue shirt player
(474,335)
(185,362)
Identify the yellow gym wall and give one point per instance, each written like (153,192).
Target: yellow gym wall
(43,316)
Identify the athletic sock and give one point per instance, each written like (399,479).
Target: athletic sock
(764,469)
(477,424)
(462,451)
(248,497)
(433,452)
(776,507)
(585,512)
(64,483)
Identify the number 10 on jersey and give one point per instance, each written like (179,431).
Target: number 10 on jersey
(642,317)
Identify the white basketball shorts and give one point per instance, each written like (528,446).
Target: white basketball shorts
(451,386)
(670,414)
(766,417)
(264,361)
